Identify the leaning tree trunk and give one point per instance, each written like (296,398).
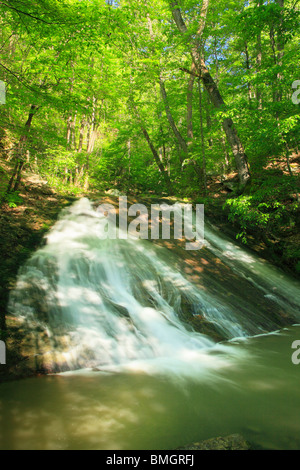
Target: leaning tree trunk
(158,161)
(180,140)
(213,91)
(20,154)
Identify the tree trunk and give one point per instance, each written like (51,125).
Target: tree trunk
(69,130)
(92,134)
(202,139)
(157,160)
(179,138)
(258,64)
(213,91)
(91,140)
(280,49)
(20,157)
(273,43)
(248,67)
(81,134)
(189,106)
(152,148)
(86,176)
(73,131)
(208,121)
(226,155)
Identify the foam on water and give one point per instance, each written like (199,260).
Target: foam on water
(116,304)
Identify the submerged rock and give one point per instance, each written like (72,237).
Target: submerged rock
(232,442)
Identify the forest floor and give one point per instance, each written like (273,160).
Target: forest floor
(23,227)
(277,241)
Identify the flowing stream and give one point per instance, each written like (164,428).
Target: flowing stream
(112,322)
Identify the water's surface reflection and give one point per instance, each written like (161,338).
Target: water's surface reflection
(254,391)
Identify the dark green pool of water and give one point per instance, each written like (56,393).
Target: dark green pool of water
(254,392)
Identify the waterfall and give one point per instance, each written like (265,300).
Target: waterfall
(90,302)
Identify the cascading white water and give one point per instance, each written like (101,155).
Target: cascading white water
(113,303)
(117,306)
(273,282)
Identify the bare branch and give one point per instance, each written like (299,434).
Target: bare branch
(195,74)
(25,13)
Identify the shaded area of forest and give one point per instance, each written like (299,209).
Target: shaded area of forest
(22,229)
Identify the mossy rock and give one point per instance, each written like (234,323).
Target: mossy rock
(232,442)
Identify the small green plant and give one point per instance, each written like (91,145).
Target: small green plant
(13,199)
(248,214)
(267,207)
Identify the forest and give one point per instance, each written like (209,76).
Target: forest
(183,99)
(136,343)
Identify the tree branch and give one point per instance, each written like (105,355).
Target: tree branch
(25,13)
(195,74)
(37,18)
(18,78)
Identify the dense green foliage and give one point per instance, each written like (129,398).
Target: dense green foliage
(85,100)
(270,204)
